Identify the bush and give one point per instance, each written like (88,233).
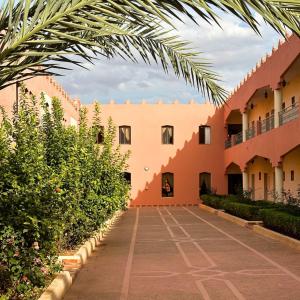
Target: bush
(281,221)
(242,210)
(213,201)
(56,189)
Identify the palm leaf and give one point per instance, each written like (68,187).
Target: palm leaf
(34,33)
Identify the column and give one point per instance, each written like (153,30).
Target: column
(278,182)
(245,125)
(277,106)
(245,181)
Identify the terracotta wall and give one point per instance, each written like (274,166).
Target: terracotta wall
(47,85)
(186,158)
(291,162)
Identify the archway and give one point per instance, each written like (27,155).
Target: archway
(235,179)
(261,178)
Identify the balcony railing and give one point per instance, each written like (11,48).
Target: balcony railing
(289,113)
(267,124)
(286,115)
(250,132)
(235,139)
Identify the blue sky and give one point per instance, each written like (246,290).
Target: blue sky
(233,50)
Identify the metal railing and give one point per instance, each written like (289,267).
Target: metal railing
(227,144)
(289,113)
(235,139)
(267,124)
(286,115)
(250,132)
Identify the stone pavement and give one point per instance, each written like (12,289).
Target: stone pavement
(169,253)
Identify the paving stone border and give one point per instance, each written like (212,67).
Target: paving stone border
(72,263)
(256,226)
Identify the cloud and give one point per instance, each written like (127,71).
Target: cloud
(233,49)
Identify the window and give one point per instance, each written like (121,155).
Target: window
(127,177)
(100,136)
(293,101)
(125,135)
(204,183)
(283,176)
(204,135)
(167,189)
(167,134)
(292,175)
(283,105)
(259,176)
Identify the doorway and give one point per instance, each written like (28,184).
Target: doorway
(235,183)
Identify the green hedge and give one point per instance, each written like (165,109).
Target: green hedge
(242,210)
(56,189)
(281,221)
(214,201)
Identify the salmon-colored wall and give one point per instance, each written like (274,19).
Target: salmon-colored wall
(292,89)
(274,144)
(49,86)
(291,162)
(262,106)
(268,73)
(186,158)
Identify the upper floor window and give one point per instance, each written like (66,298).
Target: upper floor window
(283,105)
(100,136)
(204,134)
(125,135)
(167,134)
(293,101)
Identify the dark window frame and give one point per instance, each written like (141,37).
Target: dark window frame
(164,192)
(100,136)
(207,188)
(202,134)
(122,138)
(170,138)
(127,177)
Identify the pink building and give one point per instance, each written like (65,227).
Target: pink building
(181,150)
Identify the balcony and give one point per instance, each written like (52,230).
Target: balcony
(235,139)
(288,114)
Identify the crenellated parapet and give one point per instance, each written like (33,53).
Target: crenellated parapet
(157,102)
(261,63)
(53,83)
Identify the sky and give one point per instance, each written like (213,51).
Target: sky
(233,50)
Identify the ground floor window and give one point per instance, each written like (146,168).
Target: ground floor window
(167,185)
(127,177)
(204,183)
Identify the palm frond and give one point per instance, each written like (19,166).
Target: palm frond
(37,35)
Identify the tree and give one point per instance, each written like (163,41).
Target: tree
(37,35)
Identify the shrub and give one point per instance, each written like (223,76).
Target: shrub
(242,210)
(56,188)
(281,221)
(213,201)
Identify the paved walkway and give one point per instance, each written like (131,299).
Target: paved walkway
(185,253)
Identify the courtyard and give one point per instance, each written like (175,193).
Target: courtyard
(186,253)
